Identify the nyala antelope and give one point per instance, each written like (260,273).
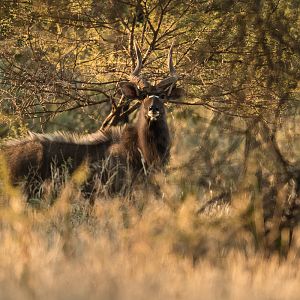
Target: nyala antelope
(138,148)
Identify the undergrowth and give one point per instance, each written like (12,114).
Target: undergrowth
(149,248)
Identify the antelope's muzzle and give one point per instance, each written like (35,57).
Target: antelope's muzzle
(153,112)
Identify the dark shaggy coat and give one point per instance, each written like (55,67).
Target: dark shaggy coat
(135,148)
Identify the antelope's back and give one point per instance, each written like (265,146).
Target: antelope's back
(37,154)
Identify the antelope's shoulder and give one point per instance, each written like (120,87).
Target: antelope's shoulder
(123,140)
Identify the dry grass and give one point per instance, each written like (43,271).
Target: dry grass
(120,250)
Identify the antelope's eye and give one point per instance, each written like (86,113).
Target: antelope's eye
(162,96)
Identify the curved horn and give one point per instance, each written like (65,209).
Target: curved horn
(169,82)
(139,62)
(134,76)
(170,62)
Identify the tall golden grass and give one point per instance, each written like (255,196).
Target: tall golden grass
(160,249)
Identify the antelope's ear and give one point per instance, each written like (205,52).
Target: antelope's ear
(177,94)
(129,89)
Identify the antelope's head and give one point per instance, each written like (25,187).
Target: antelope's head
(153,97)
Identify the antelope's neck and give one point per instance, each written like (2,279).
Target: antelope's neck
(154,142)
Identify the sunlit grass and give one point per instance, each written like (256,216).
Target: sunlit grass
(120,250)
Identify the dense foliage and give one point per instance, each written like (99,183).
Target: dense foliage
(238,57)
